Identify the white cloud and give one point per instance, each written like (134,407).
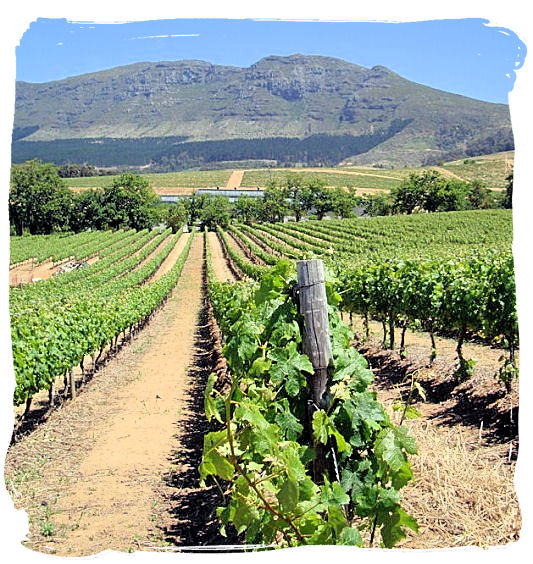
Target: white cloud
(163,36)
(60,43)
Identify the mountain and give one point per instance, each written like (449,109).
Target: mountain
(295,109)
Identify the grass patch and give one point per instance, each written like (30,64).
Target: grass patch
(254,178)
(491,169)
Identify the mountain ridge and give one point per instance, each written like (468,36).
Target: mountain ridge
(294,96)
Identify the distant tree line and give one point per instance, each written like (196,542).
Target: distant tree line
(21,132)
(167,154)
(314,150)
(295,198)
(75,170)
(40,202)
(103,152)
(456,142)
(429,191)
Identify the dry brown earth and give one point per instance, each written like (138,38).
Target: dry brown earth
(234,181)
(220,266)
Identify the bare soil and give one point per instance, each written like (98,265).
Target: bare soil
(186,191)
(31,272)
(243,249)
(168,240)
(218,260)
(362,191)
(272,238)
(172,257)
(235,180)
(338,171)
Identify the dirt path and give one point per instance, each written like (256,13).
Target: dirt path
(234,181)
(363,191)
(30,272)
(26,273)
(172,257)
(43,271)
(447,173)
(168,240)
(220,266)
(98,464)
(281,242)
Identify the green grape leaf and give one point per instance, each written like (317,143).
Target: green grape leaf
(350,536)
(288,495)
(393,527)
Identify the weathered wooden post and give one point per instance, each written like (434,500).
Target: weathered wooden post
(313,306)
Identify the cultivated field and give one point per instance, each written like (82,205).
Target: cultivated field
(359,179)
(491,169)
(167,377)
(186,179)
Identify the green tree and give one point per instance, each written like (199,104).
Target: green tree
(215,211)
(194,205)
(317,198)
(39,199)
(71,170)
(446,195)
(275,206)
(376,205)
(413,191)
(479,196)
(294,193)
(88,211)
(129,202)
(343,202)
(176,216)
(430,191)
(247,209)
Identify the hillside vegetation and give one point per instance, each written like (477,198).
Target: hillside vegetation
(297,109)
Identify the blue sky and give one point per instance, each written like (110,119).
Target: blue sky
(463,56)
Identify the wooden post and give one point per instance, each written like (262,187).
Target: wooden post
(316,343)
(314,308)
